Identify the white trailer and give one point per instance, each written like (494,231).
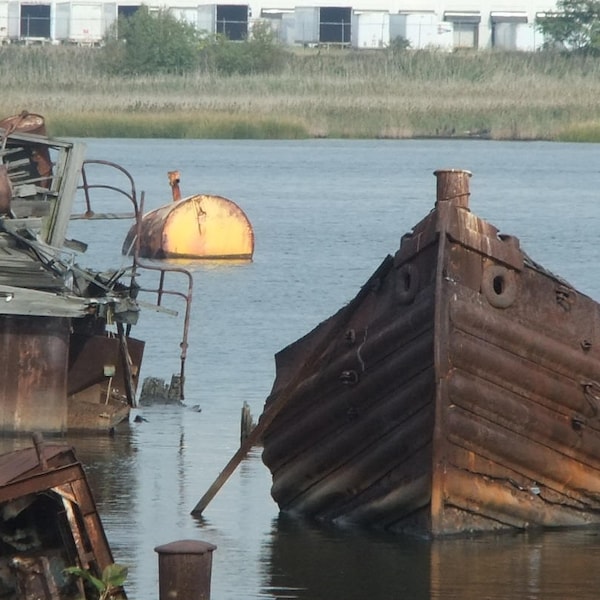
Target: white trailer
(282,23)
(188,14)
(230,20)
(3,22)
(529,38)
(84,23)
(370,29)
(424,31)
(207,18)
(306,30)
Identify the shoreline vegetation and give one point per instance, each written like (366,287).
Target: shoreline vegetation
(315,93)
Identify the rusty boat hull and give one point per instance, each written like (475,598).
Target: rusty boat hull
(458,392)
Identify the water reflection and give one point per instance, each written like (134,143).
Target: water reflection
(305,561)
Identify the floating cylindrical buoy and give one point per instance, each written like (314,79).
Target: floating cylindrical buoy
(199,226)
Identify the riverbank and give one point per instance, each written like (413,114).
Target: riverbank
(348,94)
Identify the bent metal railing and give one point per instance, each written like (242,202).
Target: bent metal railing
(138,211)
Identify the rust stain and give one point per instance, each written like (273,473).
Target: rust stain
(201,226)
(461,396)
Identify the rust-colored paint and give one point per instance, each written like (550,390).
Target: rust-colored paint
(89,355)
(102,380)
(33,373)
(174,180)
(201,226)
(5,191)
(184,569)
(462,395)
(27,122)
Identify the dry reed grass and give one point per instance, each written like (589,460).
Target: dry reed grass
(510,96)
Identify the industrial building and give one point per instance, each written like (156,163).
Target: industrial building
(443,24)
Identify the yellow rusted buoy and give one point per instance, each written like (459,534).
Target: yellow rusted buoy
(199,226)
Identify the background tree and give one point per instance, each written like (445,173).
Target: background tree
(260,52)
(151,42)
(575,25)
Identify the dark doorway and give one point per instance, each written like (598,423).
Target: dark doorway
(335,25)
(232,21)
(35,21)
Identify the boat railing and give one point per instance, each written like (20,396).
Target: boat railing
(163,269)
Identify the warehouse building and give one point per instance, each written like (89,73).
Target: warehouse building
(446,25)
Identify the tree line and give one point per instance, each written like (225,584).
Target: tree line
(157,42)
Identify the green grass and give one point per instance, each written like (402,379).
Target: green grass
(319,93)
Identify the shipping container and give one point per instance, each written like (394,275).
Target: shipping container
(529,38)
(281,22)
(306,25)
(29,21)
(230,20)
(207,18)
(3,22)
(424,30)
(188,14)
(465,25)
(83,22)
(370,29)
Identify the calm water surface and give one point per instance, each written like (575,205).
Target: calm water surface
(325,213)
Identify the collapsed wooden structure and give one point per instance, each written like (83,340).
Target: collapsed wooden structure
(48,523)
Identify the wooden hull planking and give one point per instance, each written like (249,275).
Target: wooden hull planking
(462,396)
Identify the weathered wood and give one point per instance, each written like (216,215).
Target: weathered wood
(480,413)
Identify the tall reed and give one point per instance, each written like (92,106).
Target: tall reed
(366,94)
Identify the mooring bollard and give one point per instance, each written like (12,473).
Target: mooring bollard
(184,570)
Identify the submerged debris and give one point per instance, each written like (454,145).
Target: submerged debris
(156,391)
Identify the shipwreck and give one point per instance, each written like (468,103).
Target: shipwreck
(458,392)
(49,523)
(68,359)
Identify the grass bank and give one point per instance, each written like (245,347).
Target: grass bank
(336,94)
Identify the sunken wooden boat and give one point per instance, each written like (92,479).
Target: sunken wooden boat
(458,392)
(202,226)
(48,523)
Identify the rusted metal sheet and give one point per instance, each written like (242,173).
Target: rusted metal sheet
(68,359)
(48,522)
(462,395)
(96,359)
(33,373)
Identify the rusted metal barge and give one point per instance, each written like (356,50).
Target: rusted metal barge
(48,523)
(459,391)
(68,359)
